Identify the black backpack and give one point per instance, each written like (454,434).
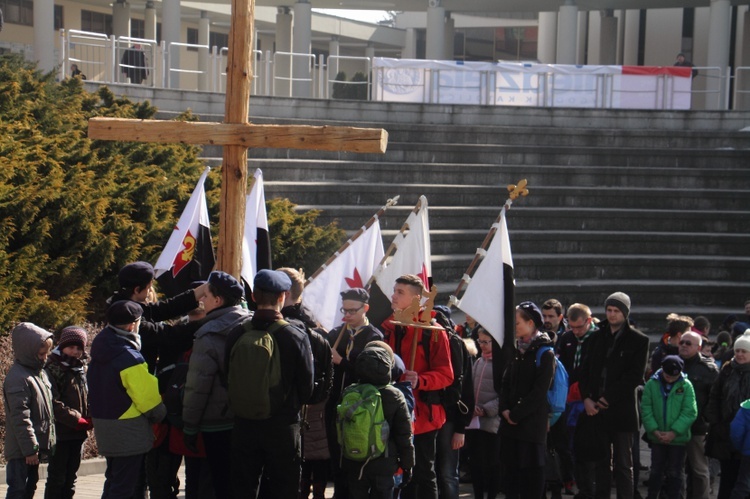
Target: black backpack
(450,395)
(174,392)
(322,366)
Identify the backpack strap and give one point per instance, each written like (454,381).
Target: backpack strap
(539,354)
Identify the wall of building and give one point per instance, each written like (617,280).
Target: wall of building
(663,36)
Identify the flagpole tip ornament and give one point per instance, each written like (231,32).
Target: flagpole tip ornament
(392,201)
(516,191)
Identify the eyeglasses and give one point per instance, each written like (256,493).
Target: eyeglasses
(484,342)
(686,343)
(350,311)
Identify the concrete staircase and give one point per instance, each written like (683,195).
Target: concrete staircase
(655,204)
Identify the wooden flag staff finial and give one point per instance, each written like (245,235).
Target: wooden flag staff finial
(514,192)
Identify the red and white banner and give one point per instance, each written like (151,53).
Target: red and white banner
(530,84)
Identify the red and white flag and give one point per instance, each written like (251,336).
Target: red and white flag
(188,255)
(256,244)
(412,256)
(351,269)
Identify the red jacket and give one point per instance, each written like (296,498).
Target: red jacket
(434,374)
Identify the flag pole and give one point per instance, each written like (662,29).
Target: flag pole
(515,191)
(367,225)
(392,247)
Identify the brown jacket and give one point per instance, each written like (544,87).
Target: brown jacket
(70,394)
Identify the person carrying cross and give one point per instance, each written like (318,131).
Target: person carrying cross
(430,372)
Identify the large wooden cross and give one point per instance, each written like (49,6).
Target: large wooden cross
(236,134)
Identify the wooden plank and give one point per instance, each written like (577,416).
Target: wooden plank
(234,166)
(322,138)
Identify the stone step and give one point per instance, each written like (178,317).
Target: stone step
(583,266)
(519,155)
(542,218)
(552,136)
(211,107)
(557,242)
(642,292)
(649,314)
(352,173)
(317,193)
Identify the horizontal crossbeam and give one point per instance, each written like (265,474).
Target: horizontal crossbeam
(322,138)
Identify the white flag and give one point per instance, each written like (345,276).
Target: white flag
(351,269)
(485,298)
(412,254)
(256,243)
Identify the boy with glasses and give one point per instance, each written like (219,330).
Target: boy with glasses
(347,341)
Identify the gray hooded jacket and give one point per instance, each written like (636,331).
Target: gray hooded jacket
(27,397)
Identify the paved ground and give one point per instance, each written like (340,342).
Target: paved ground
(90,485)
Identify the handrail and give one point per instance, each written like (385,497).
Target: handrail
(292,78)
(741,88)
(330,81)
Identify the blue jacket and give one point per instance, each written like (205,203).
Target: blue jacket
(739,430)
(123,396)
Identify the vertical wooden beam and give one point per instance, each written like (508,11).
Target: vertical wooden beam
(234,168)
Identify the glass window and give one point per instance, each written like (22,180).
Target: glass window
(96,22)
(58,17)
(18,11)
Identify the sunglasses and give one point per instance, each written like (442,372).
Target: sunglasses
(686,343)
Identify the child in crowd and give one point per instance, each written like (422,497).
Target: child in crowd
(374,478)
(66,369)
(27,398)
(668,410)
(482,438)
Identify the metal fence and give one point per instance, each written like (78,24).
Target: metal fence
(186,66)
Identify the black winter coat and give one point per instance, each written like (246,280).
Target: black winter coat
(524,393)
(374,367)
(730,389)
(702,373)
(615,368)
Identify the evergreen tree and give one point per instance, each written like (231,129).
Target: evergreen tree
(73,210)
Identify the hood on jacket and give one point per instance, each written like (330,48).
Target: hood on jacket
(109,343)
(373,364)
(222,320)
(27,339)
(540,340)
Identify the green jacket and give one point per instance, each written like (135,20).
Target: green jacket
(675,411)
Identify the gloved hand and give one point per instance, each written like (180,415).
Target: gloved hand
(191,442)
(405,479)
(83,424)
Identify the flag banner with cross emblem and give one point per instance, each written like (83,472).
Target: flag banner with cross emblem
(256,243)
(188,255)
(412,256)
(351,269)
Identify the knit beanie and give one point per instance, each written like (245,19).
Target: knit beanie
(619,300)
(743,342)
(72,335)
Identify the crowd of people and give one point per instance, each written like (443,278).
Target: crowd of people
(265,403)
